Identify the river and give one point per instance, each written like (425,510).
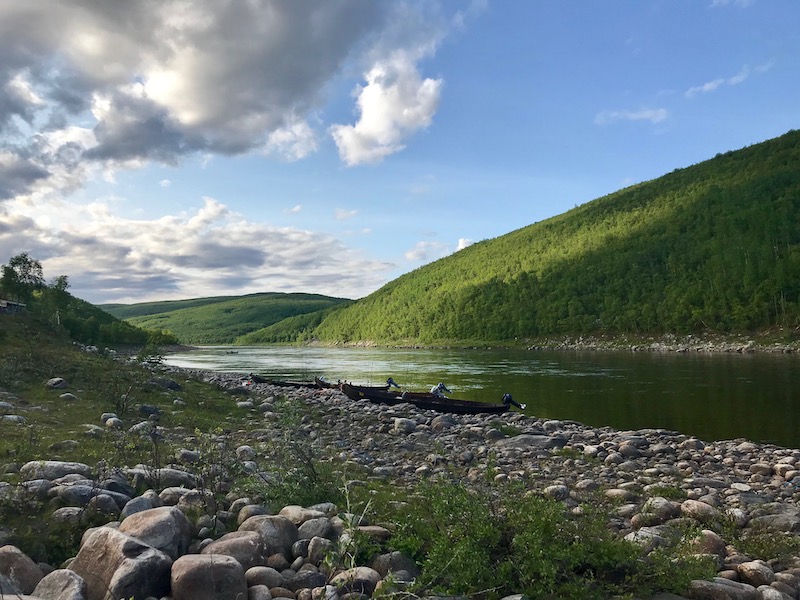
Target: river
(711,396)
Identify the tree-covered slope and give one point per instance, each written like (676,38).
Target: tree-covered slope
(222,320)
(712,246)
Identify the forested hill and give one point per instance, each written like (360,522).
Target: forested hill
(713,247)
(220,319)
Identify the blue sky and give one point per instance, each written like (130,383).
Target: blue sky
(175,149)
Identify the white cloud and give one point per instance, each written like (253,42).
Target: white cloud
(295,209)
(161,81)
(738,3)
(292,142)
(654,115)
(463,243)
(208,251)
(342,214)
(740,77)
(395,103)
(426,251)
(165,183)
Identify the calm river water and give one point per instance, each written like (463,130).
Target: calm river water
(712,396)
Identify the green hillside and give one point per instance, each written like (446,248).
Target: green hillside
(711,247)
(221,320)
(128,311)
(50,307)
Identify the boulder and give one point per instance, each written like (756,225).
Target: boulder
(245,546)
(756,573)
(529,440)
(361,580)
(165,528)
(721,589)
(264,576)
(320,527)
(116,565)
(393,562)
(208,577)
(299,515)
(278,533)
(62,584)
(700,511)
(20,571)
(53,469)
(55,383)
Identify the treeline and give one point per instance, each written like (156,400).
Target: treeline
(23,282)
(227,320)
(715,246)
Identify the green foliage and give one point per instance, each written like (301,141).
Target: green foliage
(22,280)
(223,320)
(21,277)
(295,474)
(299,328)
(504,540)
(670,492)
(715,246)
(759,541)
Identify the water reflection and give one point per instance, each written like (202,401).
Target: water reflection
(721,396)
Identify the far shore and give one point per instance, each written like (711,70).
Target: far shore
(774,342)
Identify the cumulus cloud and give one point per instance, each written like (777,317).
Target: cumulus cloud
(89,89)
(156,81)
(654,115)
(395,103)
(463,243)
(208,251)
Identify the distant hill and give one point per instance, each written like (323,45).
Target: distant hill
(221,319)
(712,247)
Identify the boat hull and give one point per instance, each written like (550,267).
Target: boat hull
(423,400)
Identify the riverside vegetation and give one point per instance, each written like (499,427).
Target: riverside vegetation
(169,483)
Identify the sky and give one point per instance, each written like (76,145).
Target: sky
(170,149)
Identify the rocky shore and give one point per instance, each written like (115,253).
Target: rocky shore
(166,543)
(765,342)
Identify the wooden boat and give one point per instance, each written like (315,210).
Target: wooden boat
(281,383)
(424,400)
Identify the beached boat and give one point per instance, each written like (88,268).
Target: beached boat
(281,383)
(424,400)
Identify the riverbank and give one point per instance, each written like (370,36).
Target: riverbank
(779,340)
(742,343)
(735,502)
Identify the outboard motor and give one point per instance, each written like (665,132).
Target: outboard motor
(508,400)
(391,383)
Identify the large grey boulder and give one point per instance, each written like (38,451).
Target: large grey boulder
(278,533)
(245,546)
(116,565)
(393,562)
(165,528)
(361,580)
(208,577)
(320,527)
(721,589)
(62,584)
(53,469)
(21,574)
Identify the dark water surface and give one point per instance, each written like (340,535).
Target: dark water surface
(712,396)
